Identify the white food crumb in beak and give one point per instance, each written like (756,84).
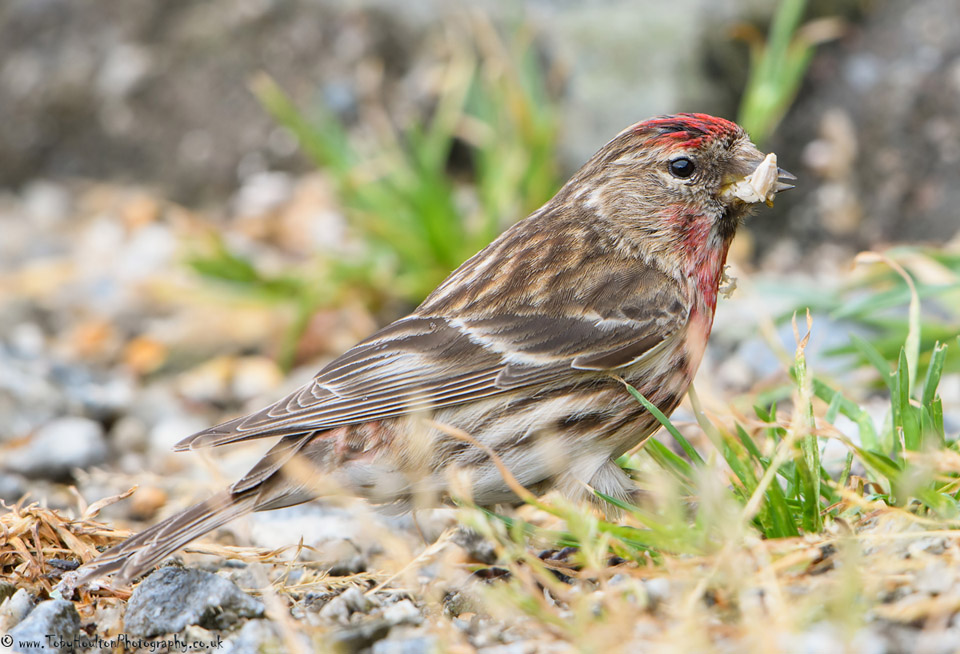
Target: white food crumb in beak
(758,186)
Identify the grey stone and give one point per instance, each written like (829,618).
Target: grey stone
(14,608)
(350,601)
(935,579)
(58,447)
(28,399)
(403,612)
(255,637)
(658,590)
(47,203)
(12,487)
(172,598)
(359,637)
(457,602)
(348,566)
(319,525)
(97,395)
(54,625)
(414,645)
(173,428)
(28,340)
(475,545)
(129,434)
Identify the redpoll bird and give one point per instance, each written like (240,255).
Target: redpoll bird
(525,348)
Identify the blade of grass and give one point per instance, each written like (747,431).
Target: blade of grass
(905,417)
(663,420)
(808,465)
(873,356)
(671,462)
(934,370)
(850,409)
(912,344)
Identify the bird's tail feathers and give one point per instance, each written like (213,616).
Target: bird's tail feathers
(141,552)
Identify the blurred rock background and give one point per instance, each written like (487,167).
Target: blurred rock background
(876,132)
(157,93)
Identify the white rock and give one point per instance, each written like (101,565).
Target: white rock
(14,609)
(403,612)
(58,447)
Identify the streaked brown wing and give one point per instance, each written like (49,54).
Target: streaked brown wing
(388,378)
(425,362)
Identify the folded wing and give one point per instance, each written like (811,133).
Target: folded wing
(428,362)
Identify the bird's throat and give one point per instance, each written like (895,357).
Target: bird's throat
(706,271)
(703,241)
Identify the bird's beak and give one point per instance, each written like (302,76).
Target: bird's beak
(783,180)
(760,185)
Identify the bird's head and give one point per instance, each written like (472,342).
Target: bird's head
(684,180)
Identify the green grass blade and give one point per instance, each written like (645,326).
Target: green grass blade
(873,356)
(904,414)
(833,409)
(931,425)
(663,420)
(845,473)
(850,409)
(669,461)
(808,464)
(764,415)
(932,380)
(748,443)
(781,515)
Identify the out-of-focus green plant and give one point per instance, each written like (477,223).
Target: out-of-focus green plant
(778,65)
(881,304)
(302,293)
(416,218)
(401,196)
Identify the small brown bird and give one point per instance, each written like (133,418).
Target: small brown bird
(525,347)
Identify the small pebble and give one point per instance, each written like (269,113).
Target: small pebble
(14,609)
(478,547)
(403,612)
(357,638)
(58,447)
(346,604)
(172,598)
(255,637)
(54,624)
(414,645)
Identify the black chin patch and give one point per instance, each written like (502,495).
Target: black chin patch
(730,220)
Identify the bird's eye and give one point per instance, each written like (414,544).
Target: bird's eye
(682,168)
